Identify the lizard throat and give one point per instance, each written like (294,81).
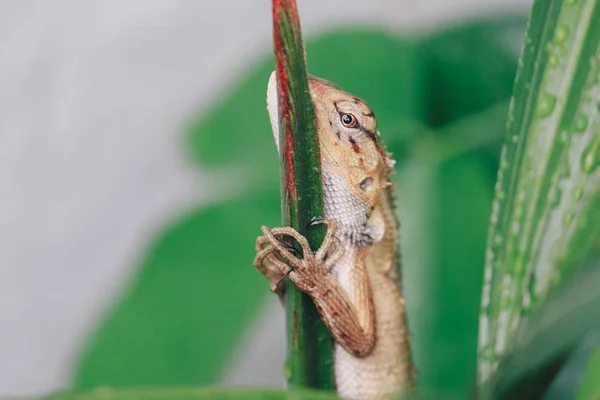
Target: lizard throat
(347,209)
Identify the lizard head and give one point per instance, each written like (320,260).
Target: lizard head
(349,138)
(350,143)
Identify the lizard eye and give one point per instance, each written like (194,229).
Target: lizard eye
(348,120)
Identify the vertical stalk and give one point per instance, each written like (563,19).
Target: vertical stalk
(309,342)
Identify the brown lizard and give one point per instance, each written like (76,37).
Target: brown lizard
(354,277)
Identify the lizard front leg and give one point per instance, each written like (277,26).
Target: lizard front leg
(351,327)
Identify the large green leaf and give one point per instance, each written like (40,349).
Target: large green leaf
(547,201)
(554,353)
(589,386)
(195,295)
(470,66)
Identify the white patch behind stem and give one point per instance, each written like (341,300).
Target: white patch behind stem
(273,107)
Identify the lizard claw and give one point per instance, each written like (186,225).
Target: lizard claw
(290,248)
(318,220)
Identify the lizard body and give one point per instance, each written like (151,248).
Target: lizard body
(354,278)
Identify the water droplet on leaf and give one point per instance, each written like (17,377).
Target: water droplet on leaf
(545,105)
(567,218)
(589,160)
(561,34)
(581,123)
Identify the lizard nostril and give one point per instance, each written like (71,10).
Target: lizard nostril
(367,184)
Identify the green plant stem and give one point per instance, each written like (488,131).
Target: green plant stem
(309,342)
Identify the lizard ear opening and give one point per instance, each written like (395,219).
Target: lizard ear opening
(273,107)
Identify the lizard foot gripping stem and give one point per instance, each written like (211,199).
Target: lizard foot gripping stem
(276,261)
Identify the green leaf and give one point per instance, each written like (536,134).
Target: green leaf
(310,359)
(470,67)
(553,345)
(190,302)
(547,196)
(589,388)
(568,381)
(160,393)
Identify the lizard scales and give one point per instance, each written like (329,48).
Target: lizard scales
(358,289)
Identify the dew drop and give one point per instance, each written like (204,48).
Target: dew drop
(518,211)
(561,34)
(545,105)
(498,239)
(556,196)
(578,194)
(488,353)
(553,60)
(590,159)
(494,219)
(567,218)
(581,123)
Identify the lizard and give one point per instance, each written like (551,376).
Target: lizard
(354,277)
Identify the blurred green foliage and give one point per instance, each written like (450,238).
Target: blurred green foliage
(161,393)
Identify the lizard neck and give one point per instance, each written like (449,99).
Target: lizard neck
(356,226)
